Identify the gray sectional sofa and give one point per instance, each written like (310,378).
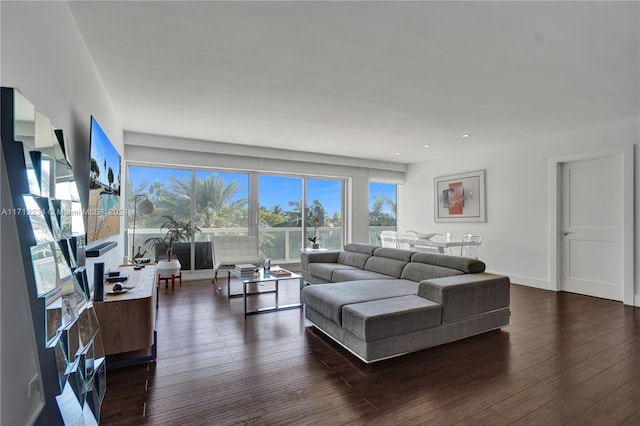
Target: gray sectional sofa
(384,302)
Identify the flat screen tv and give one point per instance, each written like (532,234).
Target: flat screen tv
(104,210)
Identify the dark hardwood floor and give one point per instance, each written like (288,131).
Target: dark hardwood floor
(564,359)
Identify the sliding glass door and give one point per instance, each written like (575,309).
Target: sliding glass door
(295,212)
(170,192)
(291,211)
(221,207)
(382,209)
(325,201)
(281,215)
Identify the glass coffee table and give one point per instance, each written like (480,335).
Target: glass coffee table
(263,277)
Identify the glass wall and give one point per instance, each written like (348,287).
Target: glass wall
(284,222)
(221,208)
(170,192)
(382,209)
(325,201)
(214,203)
(219,203)
(281,217)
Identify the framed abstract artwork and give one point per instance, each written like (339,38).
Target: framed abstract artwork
(460,197)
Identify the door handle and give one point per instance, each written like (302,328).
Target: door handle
(565,233)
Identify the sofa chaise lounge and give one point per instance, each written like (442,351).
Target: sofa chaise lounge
(383,302)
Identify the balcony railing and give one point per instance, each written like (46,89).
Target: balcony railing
(281,245)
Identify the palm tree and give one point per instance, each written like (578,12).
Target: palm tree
(214,203)
(215,206)
(378,216)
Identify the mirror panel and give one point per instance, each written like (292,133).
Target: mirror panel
(53,303)
(46,172)
(44,268)
(43,136)
(39,225)
(77,219)
(62,363)
(53,208)
(64,213)
(25,131)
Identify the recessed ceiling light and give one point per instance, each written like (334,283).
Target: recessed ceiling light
(465,136)
(427,146)
(397,153)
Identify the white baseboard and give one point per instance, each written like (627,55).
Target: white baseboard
(526,281)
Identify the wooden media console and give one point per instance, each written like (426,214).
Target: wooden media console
(127,320)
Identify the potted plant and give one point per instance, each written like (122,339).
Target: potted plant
(316,217)
(314,242)
(177,231)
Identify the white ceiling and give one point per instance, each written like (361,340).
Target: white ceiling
(365,79)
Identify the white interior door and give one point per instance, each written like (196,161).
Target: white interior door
(591,231)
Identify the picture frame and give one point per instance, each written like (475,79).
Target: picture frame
(460,197)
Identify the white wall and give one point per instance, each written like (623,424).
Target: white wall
(516,235)
(43,55)
(46,59)
(145,148)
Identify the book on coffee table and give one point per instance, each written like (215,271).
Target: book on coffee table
(245,268)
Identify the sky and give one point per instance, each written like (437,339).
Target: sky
(274,189)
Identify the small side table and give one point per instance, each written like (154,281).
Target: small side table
(173,278)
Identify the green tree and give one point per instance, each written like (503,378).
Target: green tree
(273,217)
(336,220)
(215,206)
(95,169)
(378,216)
(110,177)
(316,214)
(214,203)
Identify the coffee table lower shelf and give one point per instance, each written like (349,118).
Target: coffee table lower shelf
(261,278)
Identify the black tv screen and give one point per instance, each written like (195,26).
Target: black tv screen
(104,211)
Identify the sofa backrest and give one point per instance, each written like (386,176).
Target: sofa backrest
(356,254)
(361,248)
(416,271)
(407,264)
(463,264)
(389,261)
(432,265)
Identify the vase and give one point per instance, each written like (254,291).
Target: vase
(167,268)
(315,246)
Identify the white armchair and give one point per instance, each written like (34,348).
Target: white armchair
(229,251)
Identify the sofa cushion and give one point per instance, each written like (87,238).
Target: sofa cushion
(378,319)
(463,264)
(467,295)
(325,270)
(329,299)
(355,274)
(417,271)
(361,248)
(352,258)
(306,257)
(394,253)
(386,266)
